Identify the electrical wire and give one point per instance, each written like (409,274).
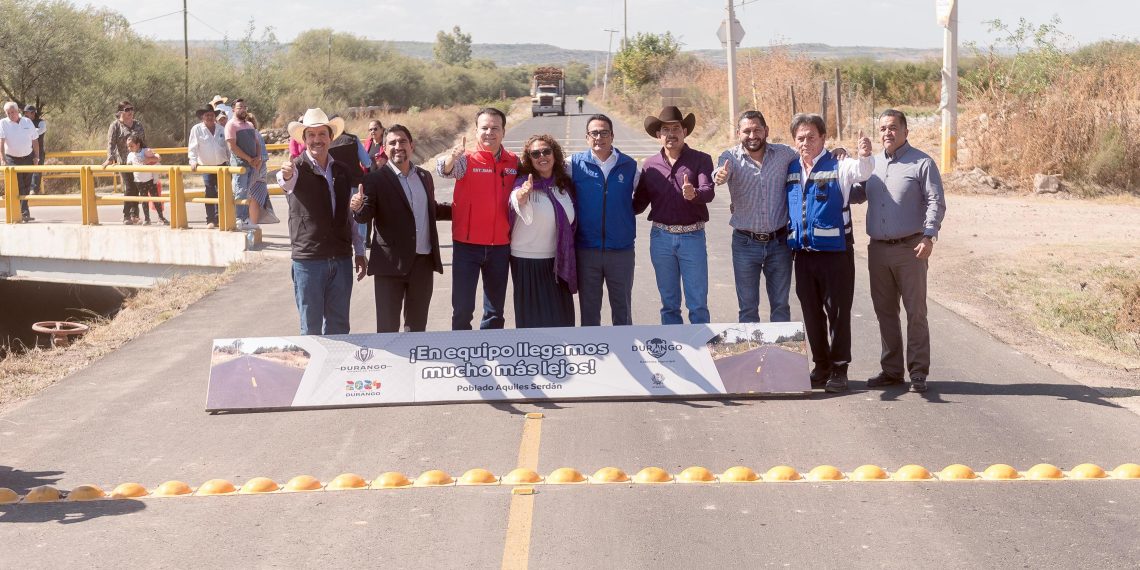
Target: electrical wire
(156,18)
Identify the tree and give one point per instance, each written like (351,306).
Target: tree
(49,48)
(453,48)
(646,58)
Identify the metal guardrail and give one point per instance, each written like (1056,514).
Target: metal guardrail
(88,200)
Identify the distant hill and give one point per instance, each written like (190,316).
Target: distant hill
(508,55)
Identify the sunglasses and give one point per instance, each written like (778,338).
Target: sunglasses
(539,153)
(374,129)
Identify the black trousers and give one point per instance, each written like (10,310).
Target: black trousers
(410,294)
(130,209)
(825,285)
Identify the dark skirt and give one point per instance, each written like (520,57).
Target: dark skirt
(541,298)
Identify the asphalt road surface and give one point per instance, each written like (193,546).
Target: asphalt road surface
(137,415)
(249,381)
(763,369)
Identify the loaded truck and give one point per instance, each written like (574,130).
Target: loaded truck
(548,91)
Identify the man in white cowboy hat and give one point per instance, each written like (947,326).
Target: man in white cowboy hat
(325,244)
(218,104)
(677,183)
(207,147)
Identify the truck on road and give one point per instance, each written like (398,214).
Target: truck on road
(548,91)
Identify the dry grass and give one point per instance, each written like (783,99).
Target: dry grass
(1082,127)
(23,375)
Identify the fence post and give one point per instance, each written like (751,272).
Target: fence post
(11,196)
(792,88)
(88,200)
(823,104)
(838,106)
(226,221)
(177,195)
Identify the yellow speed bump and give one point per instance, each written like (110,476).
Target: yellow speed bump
(781,474)
(303,483)
(8,496)
(565,476)
(957,472)
(1087,471)
(478,477)
(609,475)
(651,475)
(869,473)
(86,493)
(42,494)
(739,474)
(1127,471)
(825,473)
(1044,472)
(217,487)
(696,474)
(259,485)
(391,480)
(347,482)
(434,478)
(128,491)
(522,476)
(173,489)
(1001,472)
(912,473)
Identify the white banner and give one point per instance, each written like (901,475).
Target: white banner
(512,364)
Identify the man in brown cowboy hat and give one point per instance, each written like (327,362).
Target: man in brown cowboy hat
(321,228)
(677,183)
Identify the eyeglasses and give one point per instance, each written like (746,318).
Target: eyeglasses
(599,134)
(541,152)
(129,110)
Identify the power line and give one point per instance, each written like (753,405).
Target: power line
(204,23)
(156,18)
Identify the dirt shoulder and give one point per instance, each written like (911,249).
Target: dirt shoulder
(1054,278)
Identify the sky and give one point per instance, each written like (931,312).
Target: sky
(579,24)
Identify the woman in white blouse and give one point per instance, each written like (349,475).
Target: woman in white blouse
(543,270)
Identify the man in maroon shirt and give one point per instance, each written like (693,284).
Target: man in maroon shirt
(676,184)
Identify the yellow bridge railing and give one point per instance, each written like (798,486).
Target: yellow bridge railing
(88,200)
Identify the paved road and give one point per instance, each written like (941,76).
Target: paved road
(764,366)
(137,415)
(253,382)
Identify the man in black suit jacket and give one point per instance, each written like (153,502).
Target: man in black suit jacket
(399,200)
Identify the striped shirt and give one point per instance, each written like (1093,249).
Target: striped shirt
(758,190)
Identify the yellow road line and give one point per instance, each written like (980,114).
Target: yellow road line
(516,547)
(253,381)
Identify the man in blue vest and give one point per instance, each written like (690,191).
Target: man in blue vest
(819,189)
(605,180)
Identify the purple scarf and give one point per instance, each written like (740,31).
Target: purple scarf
(565,260)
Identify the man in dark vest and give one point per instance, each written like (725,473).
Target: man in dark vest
(321,229)
(399,198)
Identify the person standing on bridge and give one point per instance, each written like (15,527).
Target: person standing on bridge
(33,114)
(604,180)
(905,207)
(140,155)
(374,144)
(325,245)
(678,183)
(245,151)
(122,127)
(19,146)
(480,230)
(399,200)
(820,235)
(207,147)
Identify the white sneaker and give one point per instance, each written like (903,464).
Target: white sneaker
(245,225)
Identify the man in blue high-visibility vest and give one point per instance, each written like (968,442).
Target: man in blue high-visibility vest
(819,188)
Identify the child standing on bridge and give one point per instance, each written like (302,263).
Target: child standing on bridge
(139,154)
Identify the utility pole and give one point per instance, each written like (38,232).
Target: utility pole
(948,18)
(606,77)
(186,74)
(625,25)
(731,44)
(595,71)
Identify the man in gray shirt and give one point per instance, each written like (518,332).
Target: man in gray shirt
(905,207)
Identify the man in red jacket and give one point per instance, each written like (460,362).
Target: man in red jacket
(480,229)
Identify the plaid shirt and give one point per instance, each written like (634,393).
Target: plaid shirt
(758,191)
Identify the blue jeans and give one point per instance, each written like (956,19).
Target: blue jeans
(773,259)
(211,182)
(468,262)
(323,288)
(681,262)
(241,185)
